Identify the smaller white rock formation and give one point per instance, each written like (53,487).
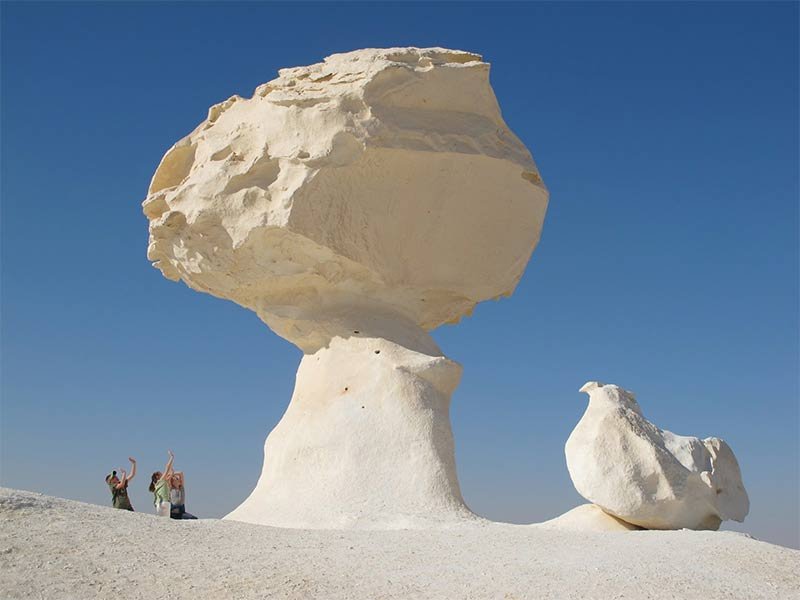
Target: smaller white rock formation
(649,477)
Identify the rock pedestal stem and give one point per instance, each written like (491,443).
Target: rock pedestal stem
(365,442)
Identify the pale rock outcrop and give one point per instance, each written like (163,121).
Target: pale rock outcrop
(385,178)
(365,443)
(354,205)
(647,476)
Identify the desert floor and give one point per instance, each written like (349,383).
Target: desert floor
(52,548)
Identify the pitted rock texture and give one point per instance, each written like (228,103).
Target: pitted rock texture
(383,179)
(364,444)
(649,477)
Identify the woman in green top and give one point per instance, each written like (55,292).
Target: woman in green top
(159,485)
(119,487)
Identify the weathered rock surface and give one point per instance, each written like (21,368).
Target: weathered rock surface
(365,443)
(382,178)
(647,476)
(355,205)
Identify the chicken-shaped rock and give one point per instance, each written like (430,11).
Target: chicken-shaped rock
(647,476)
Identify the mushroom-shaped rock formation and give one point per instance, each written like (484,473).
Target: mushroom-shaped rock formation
(355,205)
(647,476)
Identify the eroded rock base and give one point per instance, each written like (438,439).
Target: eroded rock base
(365,443)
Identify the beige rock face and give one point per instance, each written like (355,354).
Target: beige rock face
(647,476)
(354,205)
(385,179)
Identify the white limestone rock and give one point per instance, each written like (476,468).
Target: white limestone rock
(365,443)
(650,477)
(587,517)
(354,205)
(385,178)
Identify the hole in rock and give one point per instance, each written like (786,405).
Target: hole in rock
(155,206)
(262,174)
(345,389)
(220,154)
(264,89)
(377,351)
(457,57)
(532,176)
(175,220)
(174,168)
(356,331)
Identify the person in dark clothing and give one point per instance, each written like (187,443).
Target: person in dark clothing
(177,497)
(119,487)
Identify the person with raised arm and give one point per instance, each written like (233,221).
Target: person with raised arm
(159,486)
(119,487)
(177,497)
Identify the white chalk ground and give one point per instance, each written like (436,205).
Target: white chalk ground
(52,548)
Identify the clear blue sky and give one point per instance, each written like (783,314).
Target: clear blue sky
(667,134)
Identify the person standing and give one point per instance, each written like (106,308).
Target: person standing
(159,486)
(119,487)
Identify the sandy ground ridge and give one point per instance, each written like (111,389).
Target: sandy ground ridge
(53,548)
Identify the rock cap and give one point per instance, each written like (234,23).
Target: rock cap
(379,181)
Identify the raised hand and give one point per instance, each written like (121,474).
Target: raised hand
(168,469)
